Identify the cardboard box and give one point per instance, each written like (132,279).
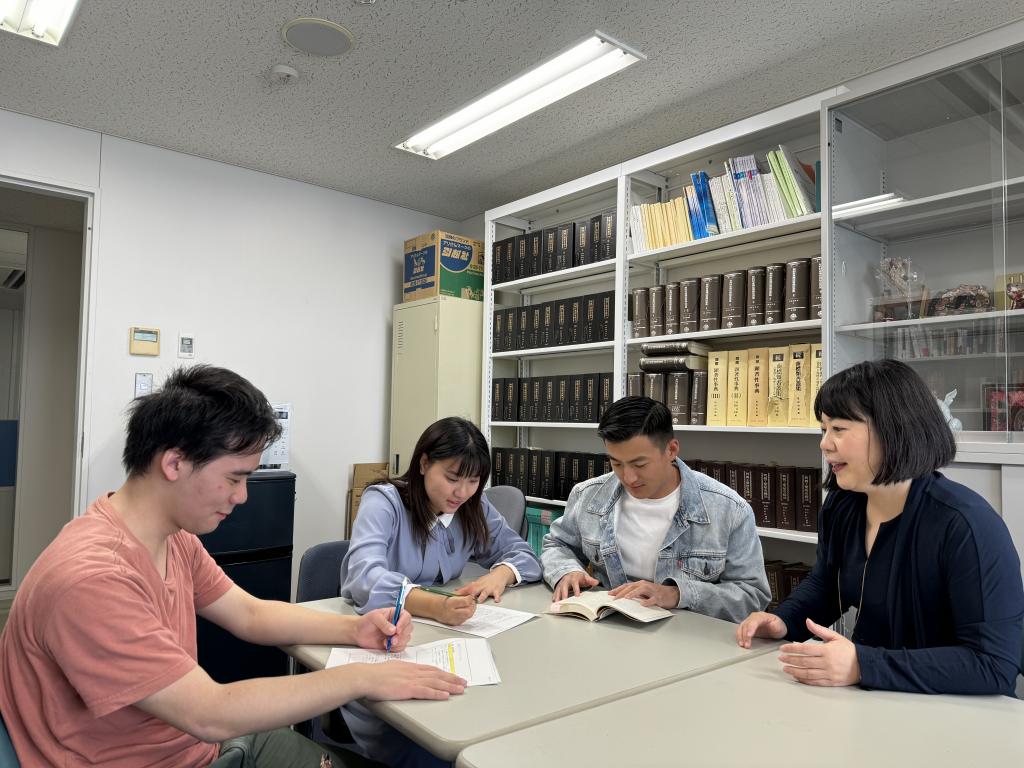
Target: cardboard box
(362,476)
(442,264)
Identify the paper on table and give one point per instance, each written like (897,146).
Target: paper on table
(487,621)
(468,658)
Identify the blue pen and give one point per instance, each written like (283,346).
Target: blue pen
(398,612)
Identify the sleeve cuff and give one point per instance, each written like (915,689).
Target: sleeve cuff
(515,572)
(687,598)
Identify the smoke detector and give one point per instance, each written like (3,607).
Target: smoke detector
(317,37)
(282,73)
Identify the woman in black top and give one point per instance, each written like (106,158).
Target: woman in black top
(926,563)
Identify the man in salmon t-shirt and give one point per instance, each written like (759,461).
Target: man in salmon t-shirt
(98,658)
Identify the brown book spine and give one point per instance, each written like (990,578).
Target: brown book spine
(773,569)
(797,290)
(634,385)
(716,471)
(672,308)
(607,235)
(520,256)
(807,505)
(564,246)
(595,240)
(606,311)
(785,486)
(747,483)
(699,397)
(536,398)
(511,328)
(670,364)
(733,304)
(524,400)
(498,330)
(689,305)
(657,310)
(755,295)
(815,280)
(774,293)
(522,327)
(711,303)
(535,247)
(605,398)
(497,399)
(582,233)
(764,497)
(550,240)
(654,386)
(732,476)
(575,320)
(548,330)
(640,304)
(563,322)
(511,400)
(678,397)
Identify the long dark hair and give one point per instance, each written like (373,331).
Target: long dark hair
(892,398)
(448,438)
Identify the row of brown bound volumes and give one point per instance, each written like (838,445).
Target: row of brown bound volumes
(684,392)
(777,293)
(577,320)
(781,497)
(571,244)
(783,578)
(545,474)
(571,397)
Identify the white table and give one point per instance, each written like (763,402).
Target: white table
(553,666)
(753,715)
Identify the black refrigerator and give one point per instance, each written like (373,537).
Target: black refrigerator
(254,547)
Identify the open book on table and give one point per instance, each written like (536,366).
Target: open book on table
(594,606)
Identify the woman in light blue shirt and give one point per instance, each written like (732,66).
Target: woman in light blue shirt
(423,527)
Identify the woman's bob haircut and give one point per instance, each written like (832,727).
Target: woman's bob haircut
(897,405)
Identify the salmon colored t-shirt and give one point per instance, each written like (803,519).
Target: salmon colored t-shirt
(95,629)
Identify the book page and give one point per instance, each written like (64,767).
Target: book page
(469,658)
(486,621)
(599,603)
(634,610)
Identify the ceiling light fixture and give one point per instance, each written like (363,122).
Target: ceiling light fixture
(593,59)
(44,20)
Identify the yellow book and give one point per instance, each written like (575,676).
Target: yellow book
(718,391)
(757,387)
(736,413)
(669,212)
(778,387)
(817,376)
(666,238)
(799,385)
(683,212)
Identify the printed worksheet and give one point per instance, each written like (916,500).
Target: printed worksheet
(469,658)
(487,621)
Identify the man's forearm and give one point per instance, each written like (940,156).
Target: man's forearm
(277,623)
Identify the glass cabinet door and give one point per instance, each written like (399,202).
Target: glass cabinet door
(926,195)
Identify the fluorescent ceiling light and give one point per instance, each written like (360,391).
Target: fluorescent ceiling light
(42,20)
(591,60)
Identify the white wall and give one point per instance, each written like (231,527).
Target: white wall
(289,284)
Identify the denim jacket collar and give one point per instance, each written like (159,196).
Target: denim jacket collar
(691,506)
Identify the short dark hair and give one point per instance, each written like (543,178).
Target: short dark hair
(632,416)
(448,438)
(914,435)
(203,411)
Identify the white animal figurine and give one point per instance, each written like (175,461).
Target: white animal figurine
(954,423)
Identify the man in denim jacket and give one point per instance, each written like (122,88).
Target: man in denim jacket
(654,530)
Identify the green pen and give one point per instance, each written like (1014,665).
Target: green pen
(436,591)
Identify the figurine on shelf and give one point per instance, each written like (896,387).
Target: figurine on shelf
(964,299)
(898,291)
(955,425)
(1015,292)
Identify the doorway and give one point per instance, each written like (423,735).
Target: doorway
(43,238)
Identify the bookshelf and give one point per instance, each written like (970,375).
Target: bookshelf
(923,230)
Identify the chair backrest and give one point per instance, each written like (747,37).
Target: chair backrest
(8,759)
(511,502)
(320,571)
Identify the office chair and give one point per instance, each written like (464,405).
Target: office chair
(320,578)
(8,759)
(511,502)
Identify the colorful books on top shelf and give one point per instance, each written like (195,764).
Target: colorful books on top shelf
(751,193)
